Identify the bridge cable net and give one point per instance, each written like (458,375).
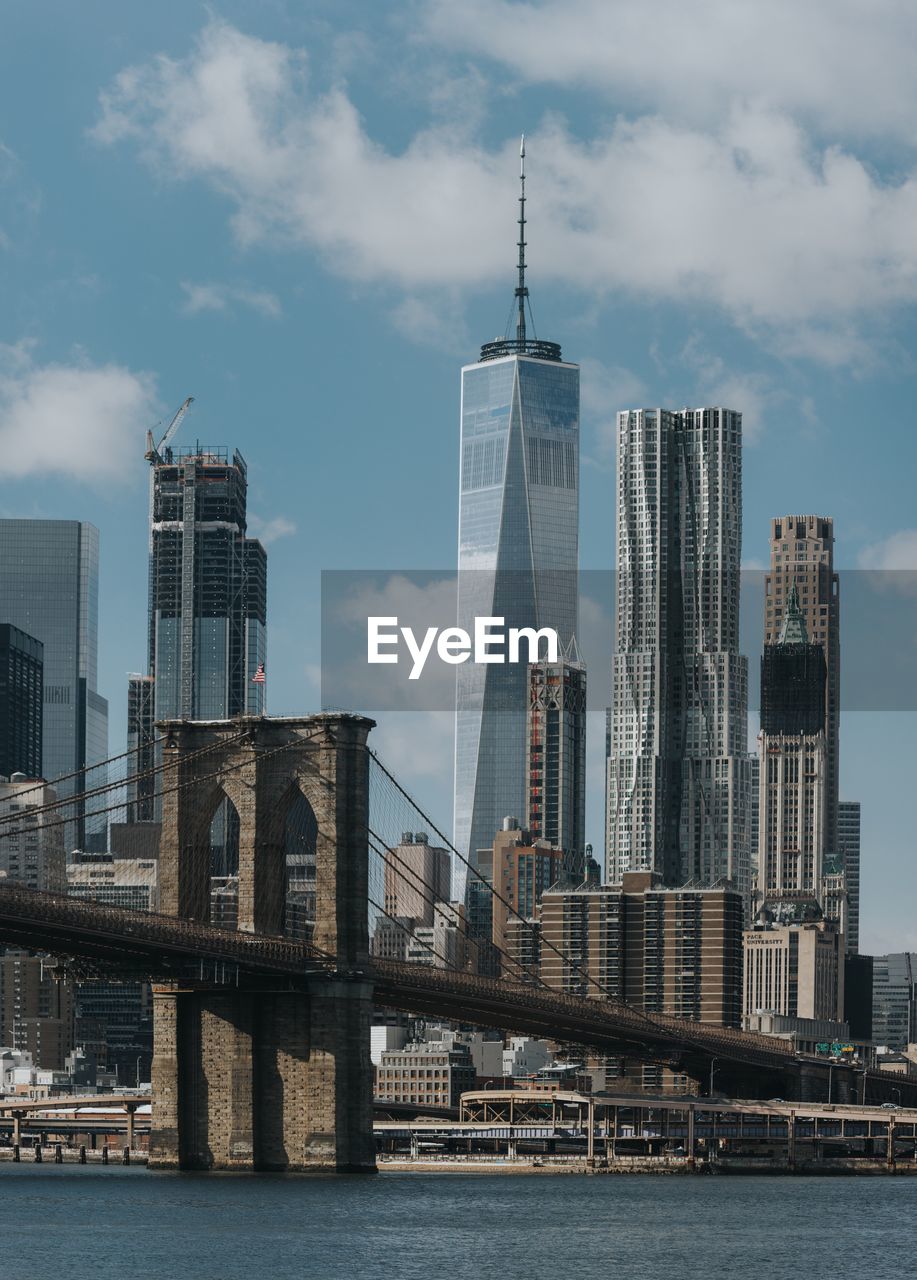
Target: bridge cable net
(94,835)
(413,914)
(401,864)
(395,810)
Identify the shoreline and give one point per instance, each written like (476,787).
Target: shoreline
(722,1169)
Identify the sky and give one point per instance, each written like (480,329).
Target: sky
(303,214)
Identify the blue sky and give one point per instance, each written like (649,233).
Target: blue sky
(303,215)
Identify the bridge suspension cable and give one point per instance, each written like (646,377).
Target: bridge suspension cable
(42,783)
(427,893)
(653,1023)
(392,811)
(495,892)
(118,783)
(38,810)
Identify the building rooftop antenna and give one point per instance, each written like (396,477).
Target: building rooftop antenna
(521,344)
(521,291)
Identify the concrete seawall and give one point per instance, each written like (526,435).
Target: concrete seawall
(59,1154)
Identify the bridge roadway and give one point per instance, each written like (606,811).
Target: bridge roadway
(166,948)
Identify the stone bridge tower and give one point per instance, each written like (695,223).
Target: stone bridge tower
(267,1075)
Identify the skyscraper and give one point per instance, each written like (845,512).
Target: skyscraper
(894,999)
(20,702)
(36,1008)
(207,588)
(31,841)
(417,876)
(679,773)
(802,552)
(49,588)
(556,758)
(518,551)
(793,764)
(665,950)
(207,606)
(848,846)
(140,744)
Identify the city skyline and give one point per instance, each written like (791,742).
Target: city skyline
(293,421)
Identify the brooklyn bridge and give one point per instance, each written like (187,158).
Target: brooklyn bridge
(261,1053)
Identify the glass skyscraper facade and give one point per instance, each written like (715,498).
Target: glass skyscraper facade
(20,702)
(208,589)
(894,999)
(206,618)
(518,557)
(848,843)
(49,588)
(141,790)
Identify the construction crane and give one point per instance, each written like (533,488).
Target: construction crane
(154,452)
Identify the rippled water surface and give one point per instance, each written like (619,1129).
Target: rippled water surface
(68,1221)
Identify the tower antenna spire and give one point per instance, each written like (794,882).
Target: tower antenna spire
(521,291)
(521,344)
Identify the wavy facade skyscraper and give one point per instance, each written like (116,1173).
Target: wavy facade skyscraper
(679,772)
(518,551)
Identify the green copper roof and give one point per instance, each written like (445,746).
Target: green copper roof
(793,630)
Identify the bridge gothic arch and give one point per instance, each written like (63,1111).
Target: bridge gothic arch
(263,766)
(255,1076)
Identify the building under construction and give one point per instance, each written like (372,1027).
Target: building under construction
(208,588)
(206,615)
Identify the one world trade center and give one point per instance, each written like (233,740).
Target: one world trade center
(518,548)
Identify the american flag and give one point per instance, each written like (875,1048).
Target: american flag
(259,677)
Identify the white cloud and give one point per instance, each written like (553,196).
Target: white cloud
(604,390)
(418,602)
(893,563)
(268,531)
(220,297)
(430,321)
(419,745)
(796,242)
(79,420)
(753,394)
(898,551)
(842,65)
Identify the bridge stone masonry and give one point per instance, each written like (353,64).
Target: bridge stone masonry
(271,1075)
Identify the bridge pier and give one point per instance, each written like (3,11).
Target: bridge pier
(268,1075)
(263,1080)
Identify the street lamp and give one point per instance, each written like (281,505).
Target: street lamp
(139,1056)
(710,1089)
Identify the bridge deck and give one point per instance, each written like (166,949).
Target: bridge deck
(165,948)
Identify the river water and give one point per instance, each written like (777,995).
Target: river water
(73,1222)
